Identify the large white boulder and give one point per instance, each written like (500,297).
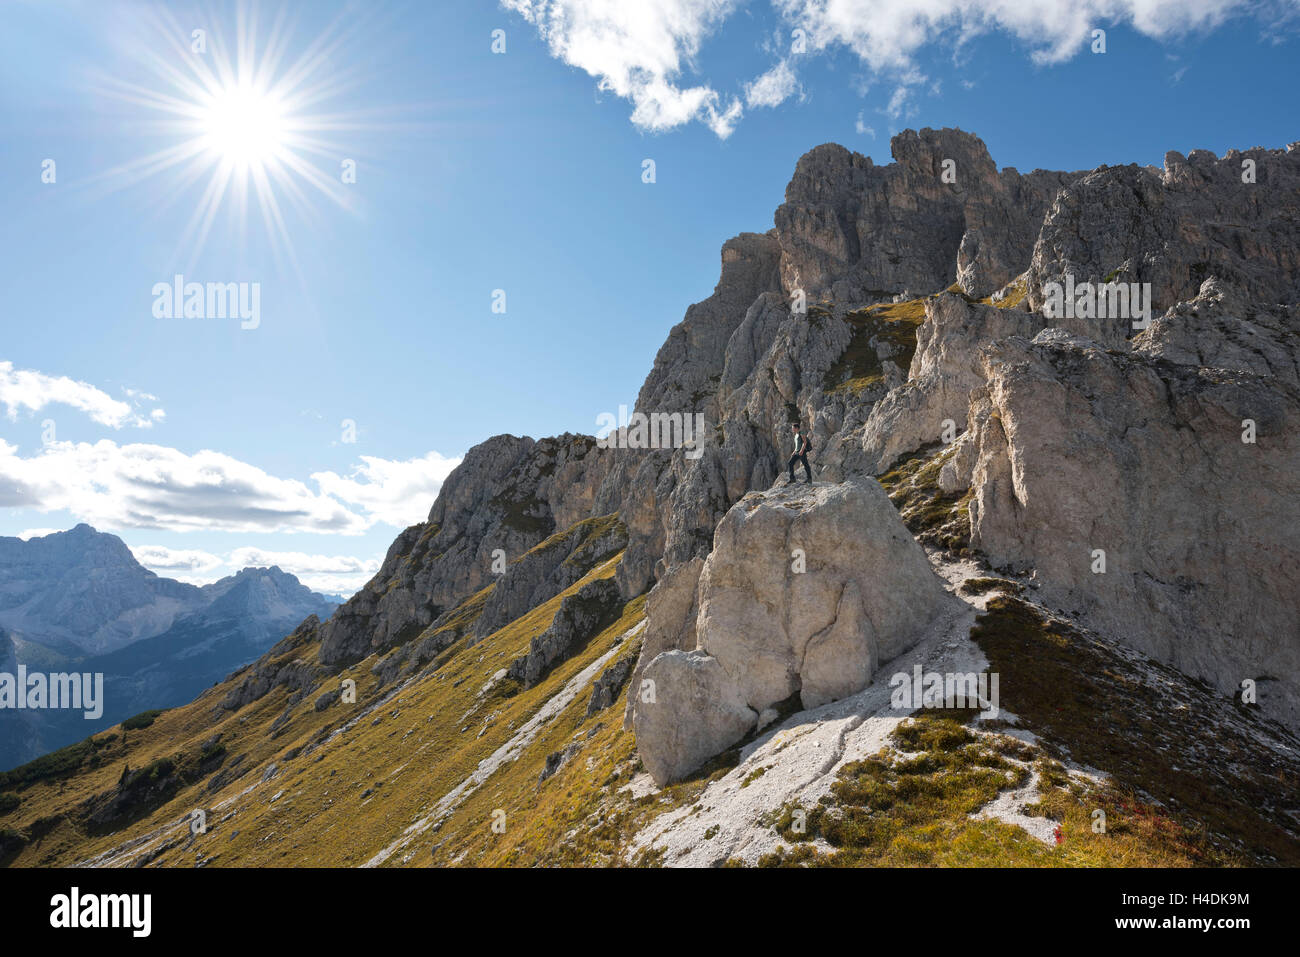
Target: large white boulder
(807,590)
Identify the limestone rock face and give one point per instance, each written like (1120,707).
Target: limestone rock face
(671,609)
(1081,450)
(697,712)
(693,354)
(807,590)
(944,370)
(1221,328)
(1174,228)
(865,594)
(856,231)
(509,493)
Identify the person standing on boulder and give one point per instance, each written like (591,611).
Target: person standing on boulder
(800,454)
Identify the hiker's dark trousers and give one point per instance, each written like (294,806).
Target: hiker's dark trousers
(796,457)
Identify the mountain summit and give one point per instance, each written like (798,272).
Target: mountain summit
(78,601)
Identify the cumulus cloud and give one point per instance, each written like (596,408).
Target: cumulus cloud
(335,574)
(137,485)
(772,88)
(398,493)
(886,34)
(641,50)
(182,563)
(638,51)
(32,391)
(331,574)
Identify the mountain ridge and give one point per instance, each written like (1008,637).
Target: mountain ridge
(1021,451)
(198,635)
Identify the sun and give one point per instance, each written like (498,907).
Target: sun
(244,126)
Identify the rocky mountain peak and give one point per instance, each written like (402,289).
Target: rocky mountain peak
(1079,503)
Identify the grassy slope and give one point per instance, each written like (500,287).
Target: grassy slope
(858,369)
(406,754)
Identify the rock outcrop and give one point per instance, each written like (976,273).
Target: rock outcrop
(671,610)
(854,231)
(580,616)
(1234,218)
(1154,499)
(807,590)
(944,370)
(509,494)
(548,569)
(696,712)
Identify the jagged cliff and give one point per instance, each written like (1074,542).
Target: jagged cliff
(1019,444)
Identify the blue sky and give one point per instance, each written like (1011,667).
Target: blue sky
(207,446)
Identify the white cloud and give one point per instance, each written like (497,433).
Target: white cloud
(301,562)
(176,562)
(115,486)
(27,389)
(887,33)
(724,124)
(638,51)
(29,533)
(331,574)
(772,88)
(862,128)
(398,493)
(335,574)
(900,105)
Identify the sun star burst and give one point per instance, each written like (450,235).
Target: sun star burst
(247,126)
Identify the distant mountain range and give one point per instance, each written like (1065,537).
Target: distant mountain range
(79,601)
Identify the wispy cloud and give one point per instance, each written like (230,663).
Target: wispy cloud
(183,563)
(136,485)
(772,88)
(641,51)
(333,574)
(32,391)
